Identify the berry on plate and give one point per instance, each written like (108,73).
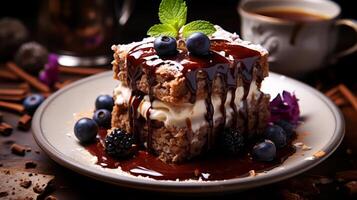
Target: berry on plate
(120,144)
(102,117)
(104,102)
(85,130)
(232,141)
(277,135)
(264,151)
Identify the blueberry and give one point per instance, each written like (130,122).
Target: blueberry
(120,144)
(287,126)
(102,117)
(104,102)
(165,46)
(85,130)
(277,135)
(231,141)
(198,44)
(32,102)
(264,151)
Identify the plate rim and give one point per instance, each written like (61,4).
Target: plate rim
(182,186)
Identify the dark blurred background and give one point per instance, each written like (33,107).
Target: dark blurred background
(223,12)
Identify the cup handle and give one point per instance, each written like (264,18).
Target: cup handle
(123,12)
(353,25)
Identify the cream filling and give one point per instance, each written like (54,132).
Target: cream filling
(177,115)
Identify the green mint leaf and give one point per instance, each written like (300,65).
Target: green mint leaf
(173,12)
(162,29)
(198,26)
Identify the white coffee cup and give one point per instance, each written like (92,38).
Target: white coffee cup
(295,48)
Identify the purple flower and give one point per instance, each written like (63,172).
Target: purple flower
(50,73)
(285,107)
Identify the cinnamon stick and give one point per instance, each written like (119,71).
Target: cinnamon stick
(5,129)
(8,75)
(60,85)
(349,95)
(27,77)
(340,101)
(81,70)
(24,122)
(11,98)
(332,91)
(13,91)
(12,107)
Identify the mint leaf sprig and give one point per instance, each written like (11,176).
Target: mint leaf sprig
(173,16)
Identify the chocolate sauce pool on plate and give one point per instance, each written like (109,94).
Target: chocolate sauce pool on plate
(207,167)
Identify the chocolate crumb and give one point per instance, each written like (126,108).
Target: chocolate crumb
(28,149)
(3,194)
(5,129)
(351,187)
(9,142)
(37,189)
(18,149)
(30,164)
(24,123)
(1,165)
(37,151)
(197,172)
(26,184)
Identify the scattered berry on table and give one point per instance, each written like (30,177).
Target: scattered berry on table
(13,33)
(32,57)
(104,102)
(120,144)
(85,130)
(264,151)
(165,46)
(198,44)
(32,102)
(102,117)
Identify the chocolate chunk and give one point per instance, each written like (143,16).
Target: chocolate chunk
(30,164)
(38,189)
(18,149)
(5,129)
(17,184)
(351,187)
(50,198)
(3,194)
(24,123)
(25,183)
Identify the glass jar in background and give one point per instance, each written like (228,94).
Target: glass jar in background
(81,32)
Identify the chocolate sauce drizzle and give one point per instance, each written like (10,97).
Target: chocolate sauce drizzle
(142,59)
(209,166)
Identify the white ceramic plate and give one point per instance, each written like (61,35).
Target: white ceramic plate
(53,123)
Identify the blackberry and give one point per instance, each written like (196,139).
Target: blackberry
(12,34)
(232,141)
(32,57)
(120,144)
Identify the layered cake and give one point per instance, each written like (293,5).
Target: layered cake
(177,105)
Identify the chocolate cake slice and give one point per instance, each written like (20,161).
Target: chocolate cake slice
(176,106)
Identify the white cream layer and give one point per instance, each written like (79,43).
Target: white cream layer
(177,115)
